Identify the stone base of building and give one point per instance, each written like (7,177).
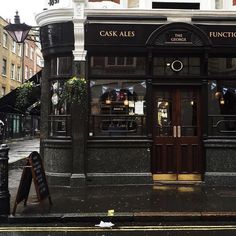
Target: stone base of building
(119,162)
(77,180)
(220,178)
(119,178)
(220,162)
(4,203)
(60,179)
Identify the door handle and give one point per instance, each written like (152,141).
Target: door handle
(174,131)
(179,131)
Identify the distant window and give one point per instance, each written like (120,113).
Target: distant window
(30,73)
(4,66)
(19,50)
(3,91)
(218,4)
(12,71)
(26,72)
(26,49)
(133,3)
(5,40)
(18,73)
(13,46)
(39,61)
(175,5)
(31,53)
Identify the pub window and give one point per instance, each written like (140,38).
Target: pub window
(59,118)
(118,108)
(113,65)
(61,66)
(222,108)
(229,63)
(120,61)
(221,66)
(176,66)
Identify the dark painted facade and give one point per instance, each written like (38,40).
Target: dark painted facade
(160,102)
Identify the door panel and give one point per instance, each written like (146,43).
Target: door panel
(177,134)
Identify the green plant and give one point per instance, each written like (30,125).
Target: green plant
(23,95)
(76,90)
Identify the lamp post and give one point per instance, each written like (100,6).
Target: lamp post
(19,33)
(4,191)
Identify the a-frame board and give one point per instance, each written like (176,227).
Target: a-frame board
(33,170)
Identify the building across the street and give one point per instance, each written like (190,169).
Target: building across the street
(160,101)
(19,64)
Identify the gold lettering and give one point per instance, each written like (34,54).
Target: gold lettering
(113,33)
(105,33)
(127,34)
(178,39)
(222,34)
(178,35)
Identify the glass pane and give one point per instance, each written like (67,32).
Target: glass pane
(59,119)
(61,66)
(117,65)
(222,108)
(222,66)
(188,114)
(164,66)
(117,107)
(164,114)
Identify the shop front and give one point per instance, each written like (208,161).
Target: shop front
(159,92)
(160,105)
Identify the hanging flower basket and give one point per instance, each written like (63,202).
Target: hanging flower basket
(76,90)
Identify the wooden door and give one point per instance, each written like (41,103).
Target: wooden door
(177,145)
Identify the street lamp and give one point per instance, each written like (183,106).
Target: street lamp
(18,31)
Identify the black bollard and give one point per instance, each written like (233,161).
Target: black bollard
(4,191)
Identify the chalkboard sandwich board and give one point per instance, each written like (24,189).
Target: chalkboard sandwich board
(33,170)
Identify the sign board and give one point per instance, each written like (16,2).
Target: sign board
(178,37)
(137,35)
(33,170)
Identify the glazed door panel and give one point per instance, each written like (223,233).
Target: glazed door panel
(177,136)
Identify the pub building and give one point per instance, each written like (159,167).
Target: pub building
(161,96)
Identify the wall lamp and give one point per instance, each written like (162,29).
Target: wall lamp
(19,31)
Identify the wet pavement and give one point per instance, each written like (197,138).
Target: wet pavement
(21,148)
(125,204)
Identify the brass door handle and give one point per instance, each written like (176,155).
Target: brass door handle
(179,131)
(174,131)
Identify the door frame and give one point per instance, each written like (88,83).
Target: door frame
(180,176)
